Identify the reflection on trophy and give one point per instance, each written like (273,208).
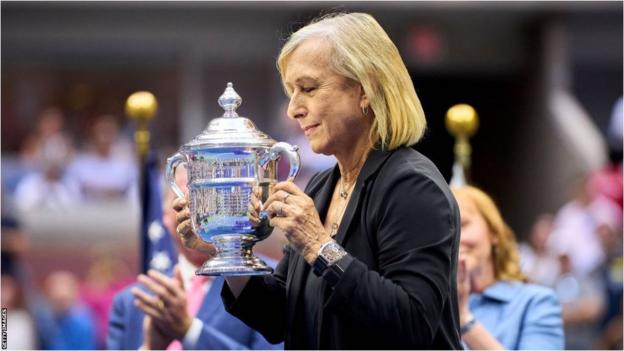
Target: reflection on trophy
(224,163)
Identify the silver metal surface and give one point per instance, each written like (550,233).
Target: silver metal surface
(224,163)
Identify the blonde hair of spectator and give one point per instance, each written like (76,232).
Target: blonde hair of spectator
(363,52)
(505,255)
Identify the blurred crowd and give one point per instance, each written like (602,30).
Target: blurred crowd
(577,251)
(64,311)
(53,172)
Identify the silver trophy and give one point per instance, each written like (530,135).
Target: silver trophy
(224,163)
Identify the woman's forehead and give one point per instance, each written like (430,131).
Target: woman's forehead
(309,59)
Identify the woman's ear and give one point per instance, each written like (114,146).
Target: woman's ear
(364,103)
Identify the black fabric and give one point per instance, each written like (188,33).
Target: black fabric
(398,291)
(311,304)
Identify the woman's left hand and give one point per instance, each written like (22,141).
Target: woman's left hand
(293,211)
(463,290)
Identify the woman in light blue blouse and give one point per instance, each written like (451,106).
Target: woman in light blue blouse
(498,308)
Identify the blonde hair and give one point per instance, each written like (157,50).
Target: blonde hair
(505,256)
(363,52)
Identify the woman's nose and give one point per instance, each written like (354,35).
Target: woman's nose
(296,108)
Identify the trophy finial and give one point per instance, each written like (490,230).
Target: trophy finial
(230,101)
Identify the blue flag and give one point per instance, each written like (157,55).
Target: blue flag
(158,250)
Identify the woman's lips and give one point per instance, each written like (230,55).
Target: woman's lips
(310,129)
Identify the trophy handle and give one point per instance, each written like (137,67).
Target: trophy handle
(172,163)
(291,152)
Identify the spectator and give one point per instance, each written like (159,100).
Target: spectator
(576,225)
(497,308)
(20,325)
(539,264)
(49,135)
(190,315)
(582,303)
(73,326)
(45,188)
(105,278)
(100,174)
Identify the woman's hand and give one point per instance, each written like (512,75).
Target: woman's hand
(185,228)
(463,290)
(255,206)
(293,211)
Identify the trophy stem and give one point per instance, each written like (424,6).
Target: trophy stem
(234,257)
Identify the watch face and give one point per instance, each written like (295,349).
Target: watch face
(333,252)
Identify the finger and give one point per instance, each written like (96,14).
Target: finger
(149,310)
(160,291)
(177,273)
(461,270)
(253,219)
(179,203)
(185,230)
(183,215)
(279,209)
(147,302)
(255,203)
(281,196)
(253,210)
(289,187)
(169,284)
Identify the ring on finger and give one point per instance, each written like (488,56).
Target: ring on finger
(161,305)
(281,211)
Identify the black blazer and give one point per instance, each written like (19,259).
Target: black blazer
(398,291)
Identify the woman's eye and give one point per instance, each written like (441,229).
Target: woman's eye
(308,89)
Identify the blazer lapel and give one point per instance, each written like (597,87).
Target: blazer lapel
(375,160)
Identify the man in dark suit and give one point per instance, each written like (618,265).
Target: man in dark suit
(179,310)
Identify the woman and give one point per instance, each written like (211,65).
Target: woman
(497,308)
(373,242)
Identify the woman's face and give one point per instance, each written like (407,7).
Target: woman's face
(327,106)
(475,245)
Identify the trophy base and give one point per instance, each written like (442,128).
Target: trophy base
(234,257)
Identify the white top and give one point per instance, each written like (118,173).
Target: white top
(100,178)
(35,191)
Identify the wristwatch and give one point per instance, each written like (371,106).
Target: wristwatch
(325,264)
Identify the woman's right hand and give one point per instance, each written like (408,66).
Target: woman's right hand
(184,228)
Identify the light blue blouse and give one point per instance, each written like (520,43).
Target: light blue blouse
(520,316)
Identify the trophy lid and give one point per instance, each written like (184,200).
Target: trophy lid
(230,130)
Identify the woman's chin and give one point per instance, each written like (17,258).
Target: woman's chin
(319,148)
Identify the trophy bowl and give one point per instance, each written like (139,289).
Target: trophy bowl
(224,163)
